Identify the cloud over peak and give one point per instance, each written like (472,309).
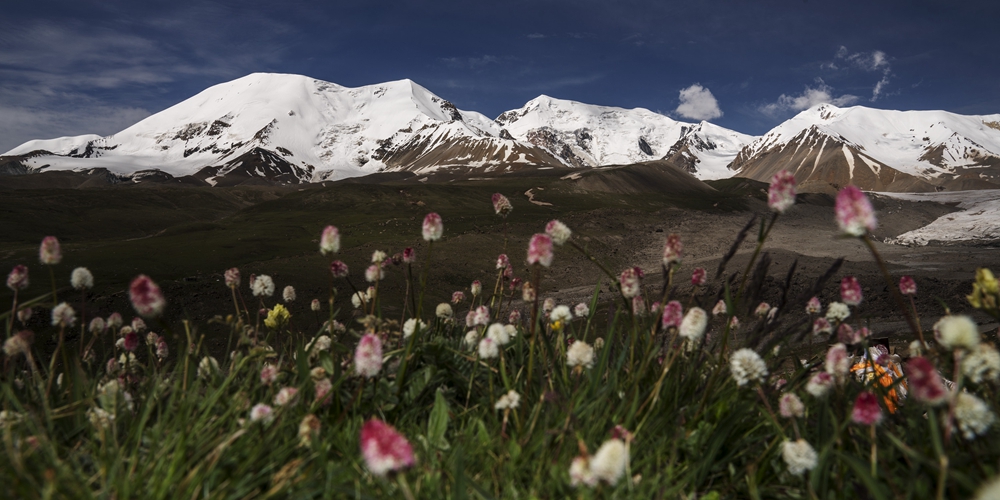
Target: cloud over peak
(698,103)
(821,93)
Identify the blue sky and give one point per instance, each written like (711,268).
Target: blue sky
(69,68)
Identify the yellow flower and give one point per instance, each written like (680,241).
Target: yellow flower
(986,292)
(277,317)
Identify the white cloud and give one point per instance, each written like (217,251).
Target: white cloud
(698,103)
(874,61)
(811,96)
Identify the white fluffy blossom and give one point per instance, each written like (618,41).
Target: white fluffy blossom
(983,363)
(837,311)
(510,400)
(498,333)
(973,415)
(262,413)
(263,285)
(799,455)
(957,332)
(444,311)
(693,325)
(580,354)
(488,348)
(410,327)
(288,294)
(63,315)
(608,464)
(747,366)
(581,310)
(561,313)
(471,338)
(81,278)
(207,367)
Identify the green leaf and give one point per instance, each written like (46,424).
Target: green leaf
(437,426)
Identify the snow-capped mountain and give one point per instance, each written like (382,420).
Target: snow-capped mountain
(829,147)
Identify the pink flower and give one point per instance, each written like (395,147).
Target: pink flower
(925,383)
(115,321)
(329,241)
(409,255)
(855,214)
(138,324)
(457,297)
(49,252)
(338,269)
(814,306)
(501,205)
(268,374)
(847,335)
(850,291)
(558,231)
(837,362)
(781,194)
(480,316)
(527,292)
(324,391)
(18,278)
(503,262)
(514,317)
(699,276)
(866,410)
(907,286)
(162,351)
(433,227)
(286,396)
(262,413)
(374,273)
(672,250)
(630,281)
(540,250)
(821,326)
(790,406)
(720,308)
(368,356)
(762,309)
(147,299)
(384,449)
(232,277)
(476,288)
(131,341)
(673,314)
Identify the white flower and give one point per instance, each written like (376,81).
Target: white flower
(378,257)
(799,455)
(693,325)
(561,313)
(207,367)
(262,413)
(608,464)
(360,298)
(100,418)
(444,311)
(488,348)
(286,396)
(81,278)
(973,415)
(790,406)
(374,273)
(957,332)
(989,491)
(720,308)
(837,311)
(581,310)
(471,338)
(580,354)
(498,333)
(510,400)
(558,231)
(511,330)
(288,294)
(747,366)
(983,363)
(410,327)
(321,343)
(819,384)
(263,286)
(579,473)
(63,315)
(916,348)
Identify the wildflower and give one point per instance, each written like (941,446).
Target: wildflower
(699,276)
(498,333)
(19,343)
(814,306)
(514,317)
(837,311)
(410,327)
(49,253)
(323,390)
(319,344)
(720,308)
(471,338)
(338,269)
(819,384)
(384,449)
(262,413)
(924,382)
(527,292)
(433,227)
(503,262)
(558,231)
(579,472)
(907,286)
(837,362)
(457,297)
(799,455)
(581,310)
(18,278)
(481,316)
(548,305)
(131,341)
(847,335)
(138,324)
(989,491)
(734,323)
(850,291)
(63,315)
(329,241)
(866,410)
(540,250)
(501,205)
(693,325)
(277,317)
(23,315)
(476,288)
(630,281)
(488,348)
(638,305)
(268,374)
(560,314)
(232,277)
(781,193)
(100,418)
(315,305)
(957,332)
(409,255)
(162,351)
(598,343)
(115,321)
(855,214)
(790,406)
(359,298)
(608,464)
(81,279)
(973,415)
(747,366)
(511,330)
(762,309)
(510,400)
(374,273)
(308,430)
(985,291)
(378,257)
(580,353)
(207,367)
(983,363)
(672,250)
(288,294)
(286,396)
(444,311)
(147,299)
(368,356)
